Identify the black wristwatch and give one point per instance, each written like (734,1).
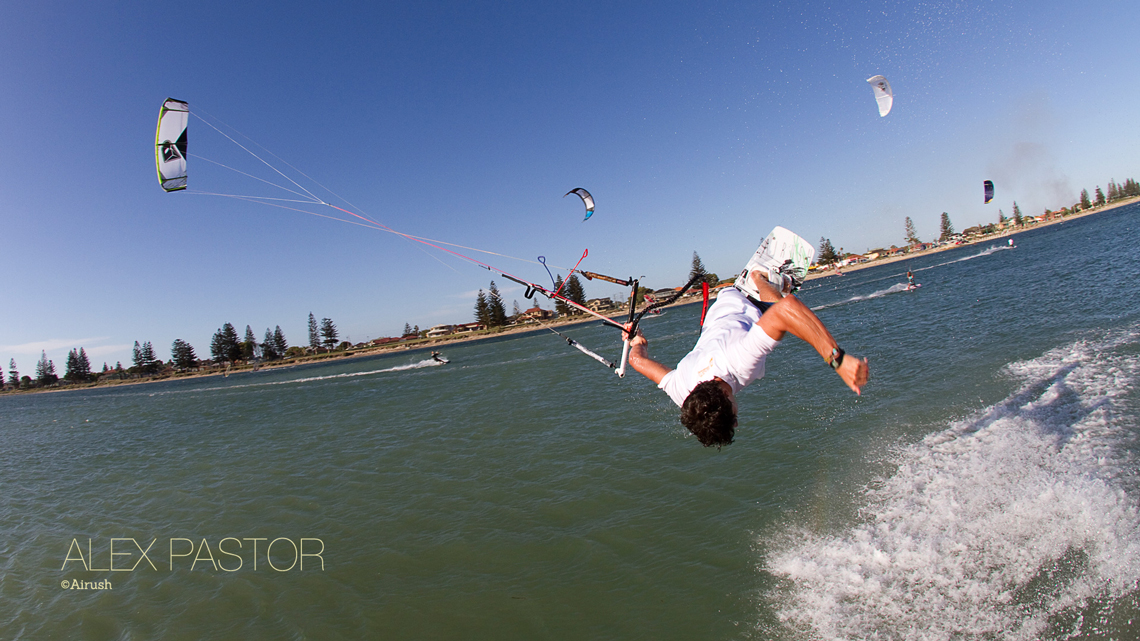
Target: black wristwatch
(836,359)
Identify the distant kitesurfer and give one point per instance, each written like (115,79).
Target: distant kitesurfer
(436,356)
(738,334)
(909,280)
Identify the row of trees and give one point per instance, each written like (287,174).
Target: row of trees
(572,289)
(225,347)
(78,370)
(45,373)
(489,308)
(1129,189)
(491,311)
(323,336)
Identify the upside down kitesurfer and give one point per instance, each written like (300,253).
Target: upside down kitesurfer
(738,334)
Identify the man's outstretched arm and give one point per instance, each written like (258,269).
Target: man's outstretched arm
(790,315)
(640,361)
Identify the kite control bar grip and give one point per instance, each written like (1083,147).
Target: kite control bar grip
(608,279)
(620,371)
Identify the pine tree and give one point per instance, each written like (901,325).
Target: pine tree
(78,366)
(1001,216)
(496,311)
(328,333)
(1085,202)
(826,251)
(269,346)
(13,374)
(45,371)
(225,345)
(575,291)
(314,332)
(1113,190)
(1017,219)
(279,342)
(182,353)
(407,329)
(1099,196)
(911,234)
(218,347)
(698,268)
(559,306)
(151,363)
(517,311)
(249,346)
(947,228)
(71,366)
(482,310)
(137,361)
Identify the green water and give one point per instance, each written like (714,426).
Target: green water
(524,492)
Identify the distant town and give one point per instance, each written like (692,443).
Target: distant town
(229,353)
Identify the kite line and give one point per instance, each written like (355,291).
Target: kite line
(171,155)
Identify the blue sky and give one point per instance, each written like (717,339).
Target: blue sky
(697,127)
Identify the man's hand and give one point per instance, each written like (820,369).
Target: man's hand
(637,340)
(768,292)
(854,372)
(639,356)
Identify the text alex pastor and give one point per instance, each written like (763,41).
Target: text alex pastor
(229,554)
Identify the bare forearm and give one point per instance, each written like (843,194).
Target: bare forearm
(792,316)
(639,360)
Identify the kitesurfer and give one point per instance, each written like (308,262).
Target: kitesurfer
(738,334)
(909,280)
(438,358)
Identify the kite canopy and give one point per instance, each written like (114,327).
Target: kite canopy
(170,144)
(883,94)
(587,200)
(988,187)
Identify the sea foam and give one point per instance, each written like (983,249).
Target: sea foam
(1007,524)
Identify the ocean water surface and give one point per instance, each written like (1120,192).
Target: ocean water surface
(984,486)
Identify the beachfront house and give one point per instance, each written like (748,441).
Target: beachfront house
(440,330)
(539,313)
(600,304)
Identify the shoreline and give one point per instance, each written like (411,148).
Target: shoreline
(983,239)
(426,344)
(537,327)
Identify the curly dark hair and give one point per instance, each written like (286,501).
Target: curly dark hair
(709,415)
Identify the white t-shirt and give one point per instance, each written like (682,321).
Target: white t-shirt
(732,347)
